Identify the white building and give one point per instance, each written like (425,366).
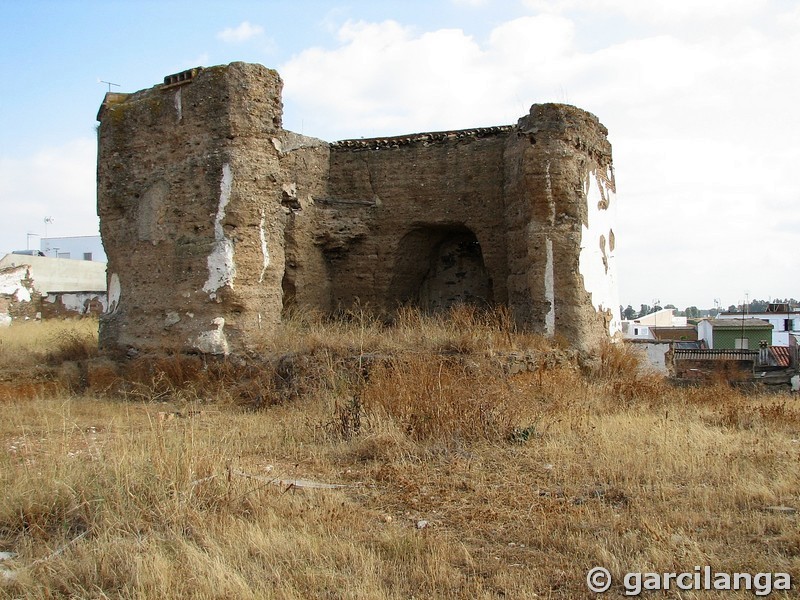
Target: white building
(42,287)
(640,329)
(81,247)
(785,321)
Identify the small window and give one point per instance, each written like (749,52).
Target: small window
(787,324)
(87,256)
(635,331)
(742,343)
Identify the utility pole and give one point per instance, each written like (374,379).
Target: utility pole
(744,305)
(47,221)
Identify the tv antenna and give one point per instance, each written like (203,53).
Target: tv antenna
(108,83)
(47,221)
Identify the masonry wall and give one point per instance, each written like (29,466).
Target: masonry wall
(559,190)
(394,207)
(216,220)
(189,184)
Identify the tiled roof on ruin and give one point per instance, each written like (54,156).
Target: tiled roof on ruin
(422,138)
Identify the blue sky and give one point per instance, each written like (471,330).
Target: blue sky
(700,98)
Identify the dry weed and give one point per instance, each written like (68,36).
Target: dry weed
(459,479)
(433,396)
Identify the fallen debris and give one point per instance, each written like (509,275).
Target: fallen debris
(290,483)
(784,510)
(7,574)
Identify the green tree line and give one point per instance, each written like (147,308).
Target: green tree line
(693,312)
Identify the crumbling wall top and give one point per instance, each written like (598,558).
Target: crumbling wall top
(424,139)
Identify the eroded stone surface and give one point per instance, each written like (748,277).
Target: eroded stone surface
(211,211)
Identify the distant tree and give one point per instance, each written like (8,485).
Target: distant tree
(645,310)
(656,308)
(732,308)
(692,312)
(671,306)
(629,313)
(762,305)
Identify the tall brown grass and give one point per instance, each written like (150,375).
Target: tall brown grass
(30,343)
(458,478)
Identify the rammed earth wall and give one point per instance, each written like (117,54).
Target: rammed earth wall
(215,219)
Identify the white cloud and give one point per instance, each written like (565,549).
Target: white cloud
(243,33)
(674,11)
(384,77)
(56,182)
(529,42)
(701,125)
(473,3)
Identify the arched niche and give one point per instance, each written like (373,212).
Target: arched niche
(440,266)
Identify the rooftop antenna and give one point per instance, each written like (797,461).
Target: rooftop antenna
(47,221)
(744,309)
(108,83)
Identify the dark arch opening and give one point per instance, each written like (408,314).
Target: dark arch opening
(439,267)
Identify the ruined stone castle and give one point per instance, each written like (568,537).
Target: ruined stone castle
(215,219)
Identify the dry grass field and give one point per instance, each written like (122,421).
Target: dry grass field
(450,476)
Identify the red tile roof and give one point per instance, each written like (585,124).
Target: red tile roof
(781,355)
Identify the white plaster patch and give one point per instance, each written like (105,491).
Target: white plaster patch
(11,283)
(214,340)
(221,266)
(549,273)
(5,320)
(114,293)
(549,290)
(225,186)
(264,250)
(290,190)
(548,190)
(597,262)
(76,301)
